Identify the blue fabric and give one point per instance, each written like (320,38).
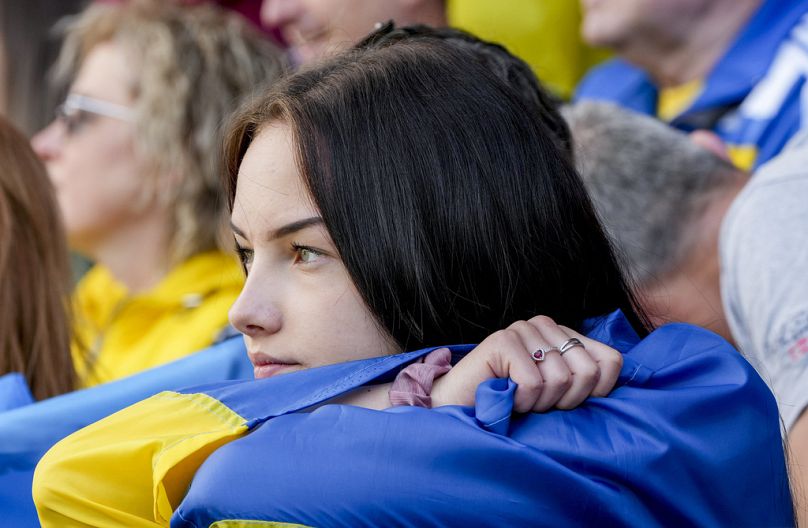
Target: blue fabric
(14,392)
(689,438)
(27,433)
(746,64)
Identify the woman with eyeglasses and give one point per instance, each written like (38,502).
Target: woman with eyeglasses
(402,197)
(133,154)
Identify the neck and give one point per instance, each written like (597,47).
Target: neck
(432,13)
(693,50)
(138,256)
(692,292)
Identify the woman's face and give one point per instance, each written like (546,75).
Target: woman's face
(91,158)
(299,308)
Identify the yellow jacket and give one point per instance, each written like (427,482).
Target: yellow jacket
(118,335)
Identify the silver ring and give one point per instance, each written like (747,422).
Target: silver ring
(540,354)
(569,344)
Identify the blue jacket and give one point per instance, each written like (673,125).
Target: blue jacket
(753,96)
(690,437)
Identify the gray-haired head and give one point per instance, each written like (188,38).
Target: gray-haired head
(650,184)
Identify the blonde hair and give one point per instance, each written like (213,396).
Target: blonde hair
(194,65)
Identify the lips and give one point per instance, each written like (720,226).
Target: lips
(265,366)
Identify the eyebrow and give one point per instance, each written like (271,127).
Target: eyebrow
(286,230)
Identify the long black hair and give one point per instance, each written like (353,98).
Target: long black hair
(453,208)
(495,57)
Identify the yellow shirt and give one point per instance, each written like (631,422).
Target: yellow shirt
(544,33)
(123,334)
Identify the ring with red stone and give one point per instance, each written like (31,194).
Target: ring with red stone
(540,354)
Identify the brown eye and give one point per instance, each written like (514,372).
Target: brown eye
(245,256)
(306,255)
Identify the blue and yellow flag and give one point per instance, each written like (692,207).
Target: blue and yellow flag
(26,433)
(690,437)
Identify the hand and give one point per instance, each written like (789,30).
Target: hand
(562,381)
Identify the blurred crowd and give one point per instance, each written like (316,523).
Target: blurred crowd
(683,120)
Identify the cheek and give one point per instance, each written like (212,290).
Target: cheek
(344,329)
(99,186)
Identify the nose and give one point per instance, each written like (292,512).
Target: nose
(278,13)
(47,143)
(254,314)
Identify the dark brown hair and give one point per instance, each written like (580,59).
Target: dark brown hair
(452,206)
(34,272)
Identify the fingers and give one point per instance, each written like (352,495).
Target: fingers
(580,372)
(562,381)
(552,371)
(518,365)
(609,362)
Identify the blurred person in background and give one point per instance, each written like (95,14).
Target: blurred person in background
(661,197)
(735,67)
(314,29)
(529,28)
(28,47)
(665,202)
(34,279)
(764,266)
(134,156)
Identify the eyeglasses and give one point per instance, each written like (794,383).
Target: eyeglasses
(77,110)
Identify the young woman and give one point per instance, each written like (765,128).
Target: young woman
(400,197)
(134,156)
(34,276)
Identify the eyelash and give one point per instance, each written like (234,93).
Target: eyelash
(300,248)
(245,255)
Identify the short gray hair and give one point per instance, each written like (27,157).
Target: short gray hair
(649,183)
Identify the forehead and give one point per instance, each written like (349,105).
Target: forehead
(270,190)
(105,74)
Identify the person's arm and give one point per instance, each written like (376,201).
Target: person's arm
(558,381)
(798,466)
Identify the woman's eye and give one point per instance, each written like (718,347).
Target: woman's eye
(306,255)
(245,256)
(74,122)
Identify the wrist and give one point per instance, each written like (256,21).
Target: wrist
(414,384)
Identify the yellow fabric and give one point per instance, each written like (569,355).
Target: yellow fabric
(124,334)
(544,33)
(673,101)
(743,156)
(133,467)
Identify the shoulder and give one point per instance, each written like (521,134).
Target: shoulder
(681,356)
(765,226)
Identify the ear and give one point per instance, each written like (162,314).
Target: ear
(709,140)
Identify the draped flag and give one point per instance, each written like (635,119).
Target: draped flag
(689,437)
(26,433)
